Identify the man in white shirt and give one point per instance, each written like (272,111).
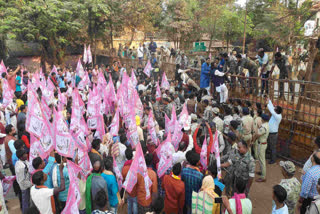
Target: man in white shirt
(186,80)
(279,196)
(140,53)
(274,123)
(42,196)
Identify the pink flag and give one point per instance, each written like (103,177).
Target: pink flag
(118,173)
(148,68)
(164,153)
(89,54)
(63,138)
(138,166)
(152,130)
(114,127)
(134,78)
(85,55)
(183,117)
(2,67)
(7,183)
(215,150)
(84,163)
(79,69)
(210,56)
(74,197)
(177,135)
(164,83)
(7,93)
(158,92)
(170,126)
(203,154)
(54,70)
(50,85)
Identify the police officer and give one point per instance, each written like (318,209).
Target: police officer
(247,126)
(244,165)
(262,138)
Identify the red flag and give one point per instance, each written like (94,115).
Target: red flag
(148,68)
(138,166)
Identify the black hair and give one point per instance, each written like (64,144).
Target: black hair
(316,159)
(240,185)
(213,169)
(8,128)
(108,163)
(239,56)
(280,193)
(278,54)
(207,58)
(158,205)
(3,75)
(20,153)
(206,102)
(123,139)
(32,210)
(22,107)
(248,103)
(225,55)
(258,105)
(148,157)
(239,101)
(188,155)
(227,110)
(96,143)
(259,111)
(236,110)
(194,159)
(234,124)
(57,157)
(18,144)
(129,153)
(176,169)
(37,177)
(278,110)
(244,143)
(36,162)
(101,199)
(317,141)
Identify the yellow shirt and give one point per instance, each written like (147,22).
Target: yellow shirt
(19,103)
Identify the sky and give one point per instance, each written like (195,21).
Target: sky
(241,2)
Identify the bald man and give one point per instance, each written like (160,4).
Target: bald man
(95,183)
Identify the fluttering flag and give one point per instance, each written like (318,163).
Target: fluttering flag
(165,83)
(2,68)
(158,92)
(164,153)
(114,127)
(7,93)
(152,130)
(138,166)
(118,173)
(79,69)
(215,150)
(183,117)
(147,69)
(85,54)
(203,154)
(89,54)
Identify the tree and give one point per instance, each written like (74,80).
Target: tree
(51,23)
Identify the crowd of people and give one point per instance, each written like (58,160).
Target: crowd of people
(115,140)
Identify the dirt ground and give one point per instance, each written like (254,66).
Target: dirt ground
(260,193)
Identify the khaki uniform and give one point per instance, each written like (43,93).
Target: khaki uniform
(262,147)
(257,122)
(244,167)
(247,129)
(219,123)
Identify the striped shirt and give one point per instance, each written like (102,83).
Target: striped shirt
(309,182)
(192,180)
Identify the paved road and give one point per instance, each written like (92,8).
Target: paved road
(261,193)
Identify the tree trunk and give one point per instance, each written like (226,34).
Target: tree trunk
(132,36)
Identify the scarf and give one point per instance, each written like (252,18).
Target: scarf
(237,198)
(96,152)
(53,206)
(88,192)
(194,167)
(208,186)
(175,176)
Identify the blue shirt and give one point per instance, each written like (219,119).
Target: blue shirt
(221,64)
(219,184)
(112,189)
(14,158)
(18,87)
(61,82)
(275,119)
(64,194)
(192,180)
(205,75)
(282,210)
(263,60)
(309,182)
(48,170)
